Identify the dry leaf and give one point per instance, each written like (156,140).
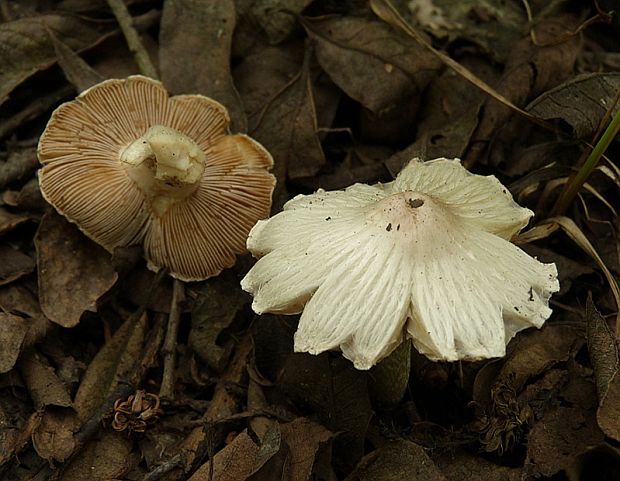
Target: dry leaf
(111,365)
(278,17)
(44,386)
(398,460)
(194,53)
(304,438)
(9,220)
(26,47)
(337,392)
(529,71)
(563,434)
(53,438)
(12,334)
(288,129)
(74,272)
(603,349)
(372,63)
(263,74)
(16,299)
(104,459)
(76,70)
(235,462)
(218,302)
(462,465)
(581,102)
(14,264)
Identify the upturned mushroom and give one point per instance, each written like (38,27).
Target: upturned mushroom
(426,256)
(130,165)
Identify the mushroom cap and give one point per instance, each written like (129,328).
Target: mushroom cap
(426,256)
(195,235)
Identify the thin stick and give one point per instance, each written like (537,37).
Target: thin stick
(388,13)
(136,47)
(166,391)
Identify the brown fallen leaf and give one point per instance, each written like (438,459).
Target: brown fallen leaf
(449,118)
(532,353)
(110,366)
(194,54)
(74,272)
(503,417)
(277,17)
(304,439)
(337,392)
(564,433)
(288,129)
(529,71)
(17,299)
(53,438)
(14,436)
(27,49)
(461,465)
(44,386)
(603,349)
(106,458)
(262,74)
(371,62)
(14,264)
(581,102)
(10,220)
(398,460)
(218,302)
(235,462)
(13,331)
(76,70)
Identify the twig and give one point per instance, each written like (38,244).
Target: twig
(166,391)
(174,462)
(222,408)
(136,47)
(18,166)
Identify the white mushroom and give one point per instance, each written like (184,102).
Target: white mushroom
(130,165)
(426,256)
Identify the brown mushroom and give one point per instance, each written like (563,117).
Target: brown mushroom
(130,165)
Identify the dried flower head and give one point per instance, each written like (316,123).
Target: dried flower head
(426,256)
(130,165)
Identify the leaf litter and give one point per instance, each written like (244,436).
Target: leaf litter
(339,92)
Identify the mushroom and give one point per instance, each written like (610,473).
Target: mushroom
(426,256)
(130,165)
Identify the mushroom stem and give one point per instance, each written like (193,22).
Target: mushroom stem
(165,164)
(166,390)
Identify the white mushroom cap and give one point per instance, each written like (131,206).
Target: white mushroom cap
(130,165)
(425,256)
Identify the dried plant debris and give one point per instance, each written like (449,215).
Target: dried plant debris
(341,95)
(603,348)
(201,50)
(581,102)
(64,258)
(26,47)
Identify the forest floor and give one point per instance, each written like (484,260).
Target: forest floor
(339,92)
